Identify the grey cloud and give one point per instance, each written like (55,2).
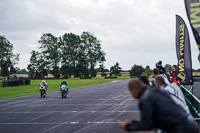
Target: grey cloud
(131,31)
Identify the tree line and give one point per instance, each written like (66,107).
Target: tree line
(69,54)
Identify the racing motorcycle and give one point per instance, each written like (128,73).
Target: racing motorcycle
(64,90)
(43,91)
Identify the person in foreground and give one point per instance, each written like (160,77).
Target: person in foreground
(158,110)
(144,79)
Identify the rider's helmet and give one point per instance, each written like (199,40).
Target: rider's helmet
(43,81)
(65,81)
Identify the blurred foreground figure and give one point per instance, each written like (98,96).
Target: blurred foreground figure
(144,79)
(158,110)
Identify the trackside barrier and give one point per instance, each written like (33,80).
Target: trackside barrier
(193,104)
(1,83)
(110,78)
(133,76)
(196,79)
(85,77)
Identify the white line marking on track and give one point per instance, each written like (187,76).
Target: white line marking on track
(75,111)
(65,104)
(64,123)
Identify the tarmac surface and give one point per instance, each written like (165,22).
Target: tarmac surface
(93,109)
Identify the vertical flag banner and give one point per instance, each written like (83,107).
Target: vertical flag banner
(184,69)
(193,13)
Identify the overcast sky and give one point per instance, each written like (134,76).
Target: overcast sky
(131,31)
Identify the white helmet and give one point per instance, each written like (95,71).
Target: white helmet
(43,81)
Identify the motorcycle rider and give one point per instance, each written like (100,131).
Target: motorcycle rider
(63,82)
(44,83)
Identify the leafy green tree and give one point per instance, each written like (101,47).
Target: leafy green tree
(50,50)
(20,71)
(38,67)
(77,55)
(147,71)
(33,66)
(136,70)
(93,50)
(70,45)
(56,71)
(167,66)
(102,67)
(7,58)
(115,69)
(82,65)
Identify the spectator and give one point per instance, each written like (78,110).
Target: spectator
(174,91)
(145,80)
(173,74)
(160,67)
(162,70)
(170,71)
(156,73)
(158,110)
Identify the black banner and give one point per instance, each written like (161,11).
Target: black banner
(184,69)
(193,13)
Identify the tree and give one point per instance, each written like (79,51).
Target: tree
(7,58)
(115,69)
(93,50)
(82,65)
(147,71)
(136,70)
(71,48)
(77,55)
(50,50)
(38,67)
(102,67)
(167,66)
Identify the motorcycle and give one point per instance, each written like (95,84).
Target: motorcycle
(64,90)
(43,91)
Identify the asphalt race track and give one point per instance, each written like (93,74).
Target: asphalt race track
(93,109)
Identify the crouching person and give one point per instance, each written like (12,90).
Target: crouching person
(158,110)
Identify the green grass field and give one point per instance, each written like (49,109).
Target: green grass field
(11,92)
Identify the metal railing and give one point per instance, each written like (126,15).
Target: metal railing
(192,102)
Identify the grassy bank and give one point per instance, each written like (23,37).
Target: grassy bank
(11,92)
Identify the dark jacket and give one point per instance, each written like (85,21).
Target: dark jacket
(63,83)
(158,110)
